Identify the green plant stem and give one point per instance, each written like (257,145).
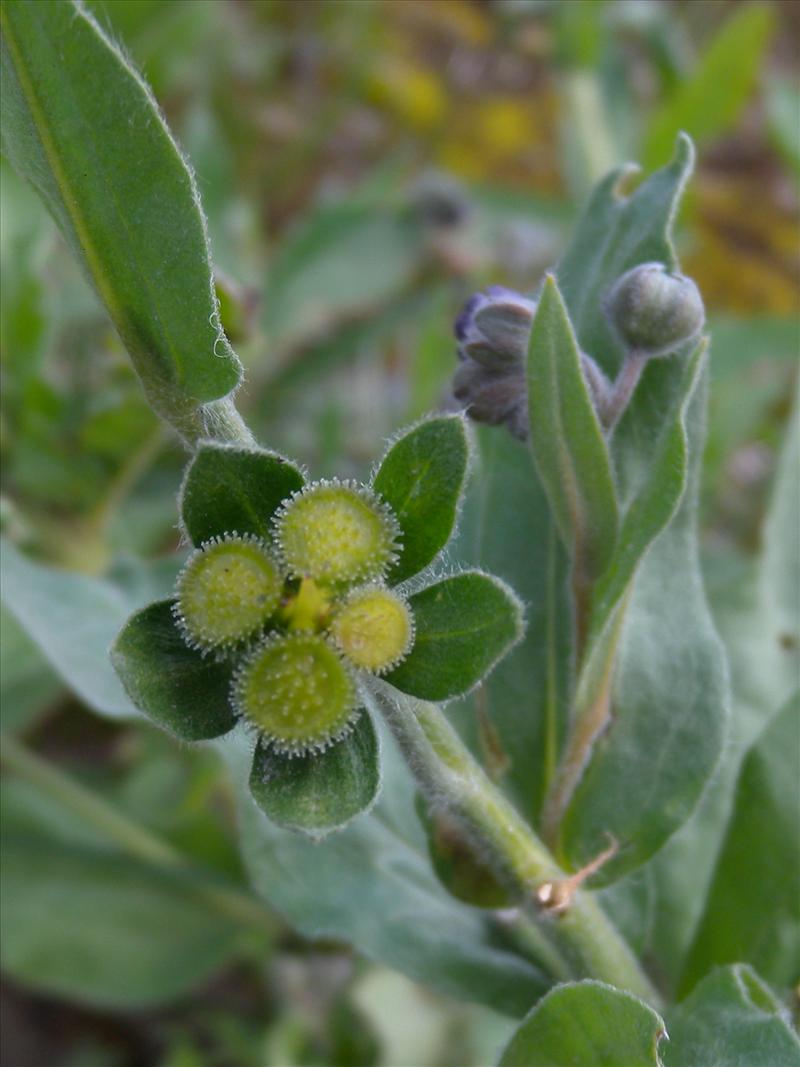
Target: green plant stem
(131,838)
(217,421)
(450,776)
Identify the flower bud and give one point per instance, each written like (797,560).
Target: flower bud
(226,591)
(297,692)
(493,331)
(653,310)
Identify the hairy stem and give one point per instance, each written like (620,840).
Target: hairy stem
(133,839)
(622,390)
(449,776)
(592,716)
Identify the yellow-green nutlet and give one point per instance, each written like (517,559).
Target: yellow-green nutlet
(227,590)
(298,693)
(374,628)
(337,533)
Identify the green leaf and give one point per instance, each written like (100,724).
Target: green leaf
(657,742)
(782,99)
(27,683)
(80,124)
(321,792)
(655,502)
(732,1018)
(756,609)
(73,619)
(177,687)
(459,866)
(587,1024)
(342,261)
(569,449)
(234,490)
(422,479)
(507,528)
(614,234)
(372,885)
(83,921)
(709,102)
(464,625)
(752,911)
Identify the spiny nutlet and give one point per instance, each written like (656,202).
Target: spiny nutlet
(374,628)
(297,691)
(226,591)
(653,310)
(337,533)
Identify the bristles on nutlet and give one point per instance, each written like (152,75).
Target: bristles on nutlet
(374,628)
(337,533)
(227,590)
(297,692)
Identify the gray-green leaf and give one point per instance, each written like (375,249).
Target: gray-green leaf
(422,479)
(83,921)
(81,125)
(568,446)
(732,1018)
(464,625)
(372,885)
(323,791)
(173,684)
(234,490)
(752,910)
(587,1024)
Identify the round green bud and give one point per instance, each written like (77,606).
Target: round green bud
(226,591)
(653,310)
(298,693)
(374,628)
(337,533)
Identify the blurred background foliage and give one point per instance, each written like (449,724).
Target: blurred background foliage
(365,165)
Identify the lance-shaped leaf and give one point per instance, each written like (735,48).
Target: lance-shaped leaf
(422,479)
(587,1024)
(669,691)
(656,501)
(234,490)
(614,234)
(569,449)
(80,124)
(668,705)
(172,683)
(323,791)
(752,910)
(732,1018)
(464,625)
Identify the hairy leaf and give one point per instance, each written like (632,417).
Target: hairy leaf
(752,911)
(587,1025)
(464,624)
(81,125)
(422,479)
(73,619)
(83,921)
(568,446)
(372,885)
(732,1018)
(668,690)
(323,791)
(234,490)
(173,684)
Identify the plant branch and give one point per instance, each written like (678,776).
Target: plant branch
(133,839)
(450,777)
